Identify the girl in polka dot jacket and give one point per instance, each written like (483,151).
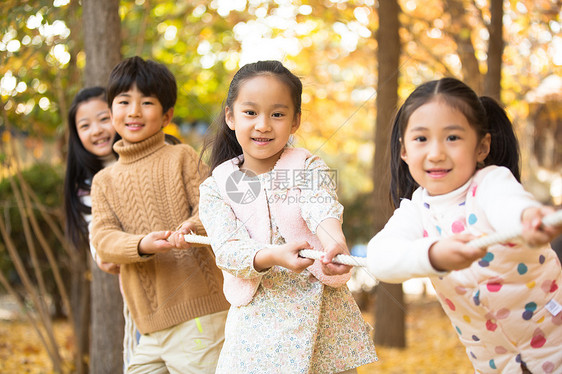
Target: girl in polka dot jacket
(455,176)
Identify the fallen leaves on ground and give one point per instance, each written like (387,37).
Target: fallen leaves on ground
(433,346)
(21,350)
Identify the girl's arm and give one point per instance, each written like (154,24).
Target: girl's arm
(233,247)
(507,206)
(400,251)
(534,232)
(454,253)
(503,199)
(194,173)
(333,241)
(286,255)
(322,213)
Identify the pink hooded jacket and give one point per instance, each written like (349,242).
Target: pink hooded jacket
(254,215)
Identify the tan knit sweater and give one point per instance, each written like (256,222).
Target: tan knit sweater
(153,187)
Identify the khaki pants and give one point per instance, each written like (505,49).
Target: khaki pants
(192,347)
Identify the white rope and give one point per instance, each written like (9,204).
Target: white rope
(308,253)
(197,239)
(339,259)
(554,219)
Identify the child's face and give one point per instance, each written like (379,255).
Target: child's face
(263,117)
(137,117)
(441,148)
(93,124)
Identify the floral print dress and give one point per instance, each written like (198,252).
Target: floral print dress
(294,323)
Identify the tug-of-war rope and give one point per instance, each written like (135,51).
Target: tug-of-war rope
(554,219)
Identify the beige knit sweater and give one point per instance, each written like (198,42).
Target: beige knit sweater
(153,187)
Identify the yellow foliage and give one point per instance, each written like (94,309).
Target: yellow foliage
(174,130)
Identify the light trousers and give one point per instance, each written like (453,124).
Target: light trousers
(192,347)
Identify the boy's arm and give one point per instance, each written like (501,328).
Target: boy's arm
(111,243)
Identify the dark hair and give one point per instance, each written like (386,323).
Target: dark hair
(81,166)
(484,114)
(223,139)
(150,77)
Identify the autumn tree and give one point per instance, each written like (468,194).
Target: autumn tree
(492,83)
(460,31)
(102,41)
(329,44)
(390,309)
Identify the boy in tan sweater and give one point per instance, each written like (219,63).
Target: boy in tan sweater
(173,290)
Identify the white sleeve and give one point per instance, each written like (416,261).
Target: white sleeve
(503,199)
(399,251)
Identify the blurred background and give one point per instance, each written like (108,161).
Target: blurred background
(358,59)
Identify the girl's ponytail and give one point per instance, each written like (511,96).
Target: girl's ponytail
(402,185)
(222,143)
(504,148)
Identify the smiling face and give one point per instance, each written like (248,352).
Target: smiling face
(262,117)
(137,117)
(93,125)
(441,148)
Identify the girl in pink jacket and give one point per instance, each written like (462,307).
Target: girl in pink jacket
(264,203)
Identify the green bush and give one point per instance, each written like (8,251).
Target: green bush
(46,182)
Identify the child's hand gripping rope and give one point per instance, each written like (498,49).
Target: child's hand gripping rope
(539,226)
(554,220)
(308,253)
(551,220)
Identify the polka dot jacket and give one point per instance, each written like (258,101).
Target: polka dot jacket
(505,307)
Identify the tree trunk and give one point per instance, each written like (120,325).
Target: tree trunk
(389,311)
(107,328)
(80,301)
(102,41)
(492,83)
(461,30)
